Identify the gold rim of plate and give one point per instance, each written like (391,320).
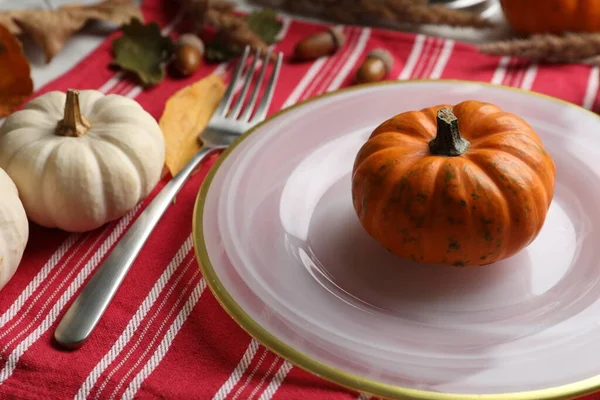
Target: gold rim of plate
(316,367)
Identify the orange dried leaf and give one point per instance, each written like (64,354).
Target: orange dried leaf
(186,114)
(15,79)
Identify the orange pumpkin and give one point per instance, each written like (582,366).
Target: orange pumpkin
(552,16)
(463,185)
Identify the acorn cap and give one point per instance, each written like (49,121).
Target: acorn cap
(191,40)
(385,56)
(338,35)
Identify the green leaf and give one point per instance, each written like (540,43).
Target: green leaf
(218,51)
(143,50)
(265,24)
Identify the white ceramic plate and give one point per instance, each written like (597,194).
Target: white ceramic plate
(283,251)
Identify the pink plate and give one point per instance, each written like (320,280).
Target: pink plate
(283,251)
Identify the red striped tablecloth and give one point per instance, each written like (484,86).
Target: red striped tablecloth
(164,335)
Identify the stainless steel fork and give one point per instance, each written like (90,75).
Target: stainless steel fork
(226,124)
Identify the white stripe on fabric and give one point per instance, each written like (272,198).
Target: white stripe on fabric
(243,386)
(13,358)
(238,372)
(529,77)
(135,321)
(443,59)
(304,82)
(331,66)
(427,56)
(413,58)
(158,331)
(39,278)
(500,72)
(429,61)
(165,344)
(276,382)
(264,378)
(356,53)
(50,298)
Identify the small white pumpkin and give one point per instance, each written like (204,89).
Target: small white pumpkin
(14,229)
(81,159)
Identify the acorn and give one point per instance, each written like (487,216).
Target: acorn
(319,44)
(376,67)
(189,50)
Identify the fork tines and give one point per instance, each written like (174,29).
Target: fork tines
(242,111)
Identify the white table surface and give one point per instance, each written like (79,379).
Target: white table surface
(88,39)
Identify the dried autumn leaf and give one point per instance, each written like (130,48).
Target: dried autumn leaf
(118,12)
(143,50)
(50,29)
(15,80)
(186,114)
(266,25)
(6,19)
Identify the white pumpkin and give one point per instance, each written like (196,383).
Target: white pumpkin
(14,229)
(81,159)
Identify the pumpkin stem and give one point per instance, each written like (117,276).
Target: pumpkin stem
(448,141)
(73,123)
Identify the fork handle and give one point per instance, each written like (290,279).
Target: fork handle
(82,317)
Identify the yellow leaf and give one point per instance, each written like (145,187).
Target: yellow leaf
(186,114)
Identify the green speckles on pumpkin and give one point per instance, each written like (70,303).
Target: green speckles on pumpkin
(475,196)
(463,202)
(409,239)
(473,208)
(421,197)
(487,235)
(419,221)
(452,220)
(449,175)
(458,263)
(404,184)
(482,258)
(399,190)
(453,244)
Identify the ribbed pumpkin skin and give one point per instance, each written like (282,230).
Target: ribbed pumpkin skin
(473,209)
(552,16)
